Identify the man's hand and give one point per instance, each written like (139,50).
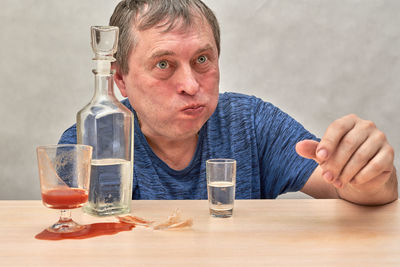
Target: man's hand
(356,158)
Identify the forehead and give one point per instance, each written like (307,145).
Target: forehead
(175,31)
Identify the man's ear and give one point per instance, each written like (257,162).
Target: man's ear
(119,79)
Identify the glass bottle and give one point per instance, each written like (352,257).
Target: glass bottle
(107,126)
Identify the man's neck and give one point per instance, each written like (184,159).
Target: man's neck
(177,154)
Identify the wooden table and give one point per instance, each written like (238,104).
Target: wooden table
(262,232)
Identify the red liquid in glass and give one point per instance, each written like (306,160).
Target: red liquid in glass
(90,230)
(70,198)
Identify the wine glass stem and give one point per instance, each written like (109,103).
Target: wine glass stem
(65,215)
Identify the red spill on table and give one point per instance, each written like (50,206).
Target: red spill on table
(90,230)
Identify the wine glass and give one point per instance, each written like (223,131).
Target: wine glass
(64,172)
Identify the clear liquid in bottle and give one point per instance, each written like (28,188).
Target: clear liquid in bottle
(107,126)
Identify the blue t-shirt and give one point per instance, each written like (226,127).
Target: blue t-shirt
(257,134)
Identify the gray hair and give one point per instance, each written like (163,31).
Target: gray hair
(145,14)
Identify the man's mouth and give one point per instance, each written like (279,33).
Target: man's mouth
(193,110)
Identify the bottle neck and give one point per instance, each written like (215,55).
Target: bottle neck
(104,86)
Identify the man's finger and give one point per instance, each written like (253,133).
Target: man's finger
(333,135)
(307,148)
(360,158)
(382,163)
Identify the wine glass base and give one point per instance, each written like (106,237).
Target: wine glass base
(65,226)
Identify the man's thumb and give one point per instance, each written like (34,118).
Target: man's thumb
(307,149)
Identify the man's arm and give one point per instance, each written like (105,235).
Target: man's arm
(355,163)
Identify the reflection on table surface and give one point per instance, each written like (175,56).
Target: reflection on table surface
(261,232)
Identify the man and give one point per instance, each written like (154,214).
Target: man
(167,67)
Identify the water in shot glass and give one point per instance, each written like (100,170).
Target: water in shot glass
(221,180)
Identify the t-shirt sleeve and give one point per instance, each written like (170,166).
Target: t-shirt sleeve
(69,136)
(282,169)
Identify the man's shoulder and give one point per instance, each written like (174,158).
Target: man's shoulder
(228,97)
(69,136)
(232,98)
(235,110)
(230,102)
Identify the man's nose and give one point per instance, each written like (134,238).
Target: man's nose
(187,81)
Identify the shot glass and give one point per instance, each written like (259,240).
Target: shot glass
(221,181)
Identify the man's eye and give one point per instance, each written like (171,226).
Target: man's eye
(201,59)
(163,64)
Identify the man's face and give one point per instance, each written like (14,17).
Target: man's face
(173,80)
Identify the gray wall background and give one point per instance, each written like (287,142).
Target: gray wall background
(315,59)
